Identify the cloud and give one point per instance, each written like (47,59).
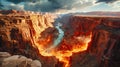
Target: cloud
(58,6)
(115,5)
(15,1)
(47,5)
(1,5)
(9,5)
(107,1)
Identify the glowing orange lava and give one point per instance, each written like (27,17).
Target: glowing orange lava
(64,55)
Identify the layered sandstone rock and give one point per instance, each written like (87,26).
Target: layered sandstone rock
(105,37)
(20,32)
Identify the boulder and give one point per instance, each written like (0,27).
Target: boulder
(18,61)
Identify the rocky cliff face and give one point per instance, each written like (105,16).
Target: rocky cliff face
(24,33)
(19,31)
(105,37)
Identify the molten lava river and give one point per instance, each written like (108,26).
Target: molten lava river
(59,48)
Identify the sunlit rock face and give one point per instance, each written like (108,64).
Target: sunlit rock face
(66,41)
(20,30)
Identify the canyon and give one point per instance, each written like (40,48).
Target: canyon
(72,40)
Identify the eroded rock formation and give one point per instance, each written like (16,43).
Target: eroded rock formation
(22,33)
(105,39)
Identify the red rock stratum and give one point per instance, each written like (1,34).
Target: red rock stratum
(87,41)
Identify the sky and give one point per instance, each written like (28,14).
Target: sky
(61,6)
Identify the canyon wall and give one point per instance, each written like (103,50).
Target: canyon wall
(20,30)
(24,33)
(105,37)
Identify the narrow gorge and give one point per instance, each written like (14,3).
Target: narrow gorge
(52,40)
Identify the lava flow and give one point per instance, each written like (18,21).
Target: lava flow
(63,55)
(59,50)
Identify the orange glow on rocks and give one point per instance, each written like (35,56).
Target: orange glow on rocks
(65,49)
(63,52)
